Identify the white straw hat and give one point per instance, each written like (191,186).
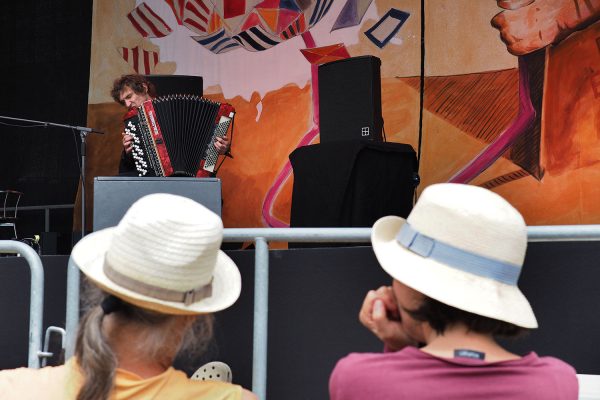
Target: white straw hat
(463,246)
(164,256)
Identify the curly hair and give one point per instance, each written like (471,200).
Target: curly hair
(440,316)
(138,83)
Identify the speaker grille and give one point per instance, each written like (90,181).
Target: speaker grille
(350,99)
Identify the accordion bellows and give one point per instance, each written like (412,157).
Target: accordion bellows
(174,135)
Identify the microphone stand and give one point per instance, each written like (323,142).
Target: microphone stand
(83,132)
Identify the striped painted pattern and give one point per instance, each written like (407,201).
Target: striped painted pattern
(297,27)
(319,9)
(147,22)
(480,104)
(196,15)
(142,61)
(177,6)
(253,39)
(217,42)
(506,178)
(256,39)
(224,25)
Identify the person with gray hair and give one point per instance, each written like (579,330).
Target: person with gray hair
(164,275)
(454,263)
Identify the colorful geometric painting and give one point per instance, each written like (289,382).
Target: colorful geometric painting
(225,25)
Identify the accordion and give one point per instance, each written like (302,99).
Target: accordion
(174,135)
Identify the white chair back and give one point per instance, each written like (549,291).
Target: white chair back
(589,387)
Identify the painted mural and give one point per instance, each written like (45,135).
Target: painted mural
(502,94)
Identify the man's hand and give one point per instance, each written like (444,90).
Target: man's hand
(222,144)
(379,313)
(127,142)
(527,26)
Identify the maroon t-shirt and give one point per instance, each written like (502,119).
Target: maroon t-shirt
(416,375)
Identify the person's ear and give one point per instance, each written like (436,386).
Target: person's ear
(145,88)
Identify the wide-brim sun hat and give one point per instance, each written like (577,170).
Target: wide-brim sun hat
(164,255)
(463,246)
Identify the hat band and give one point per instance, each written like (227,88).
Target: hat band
(187,297)
(457,258)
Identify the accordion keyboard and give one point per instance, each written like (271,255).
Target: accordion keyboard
(174,135)
(211,152)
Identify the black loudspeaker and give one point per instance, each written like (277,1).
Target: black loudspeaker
(176,84)
(350,99)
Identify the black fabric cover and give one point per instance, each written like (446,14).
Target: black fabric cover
(351,183)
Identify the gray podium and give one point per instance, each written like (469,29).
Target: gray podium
(114,195)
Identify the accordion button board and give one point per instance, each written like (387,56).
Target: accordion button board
(174,135)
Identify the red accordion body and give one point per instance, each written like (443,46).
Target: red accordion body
(174,135)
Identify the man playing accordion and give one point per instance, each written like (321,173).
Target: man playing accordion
(132,91)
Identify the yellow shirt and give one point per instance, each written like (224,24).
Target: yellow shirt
(63,382)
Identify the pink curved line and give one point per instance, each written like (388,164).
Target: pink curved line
(267,209)
(284,174)
(519,125)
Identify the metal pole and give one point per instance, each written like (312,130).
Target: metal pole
(332,235)
(563,233)
(549,233)
(83,136)
(36,304)
(46,220)
(261,308)
(72,316)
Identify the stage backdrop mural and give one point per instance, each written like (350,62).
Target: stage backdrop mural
(499,94)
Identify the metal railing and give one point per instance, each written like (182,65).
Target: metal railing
(46,209)
(36,296)
(261,237)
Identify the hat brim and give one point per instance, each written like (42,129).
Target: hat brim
(462,290)
(89,254)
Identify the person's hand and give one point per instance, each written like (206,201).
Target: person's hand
(127,142)
(526,26)
(222,144)
(379,313)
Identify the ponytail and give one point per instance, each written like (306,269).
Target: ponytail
(95,357)
(162,337)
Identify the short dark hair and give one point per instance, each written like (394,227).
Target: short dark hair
(440,316)
(135,82)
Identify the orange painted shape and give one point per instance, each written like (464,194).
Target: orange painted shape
(215,23)
(571,103)
(269,16)
(321,55)
(252,20)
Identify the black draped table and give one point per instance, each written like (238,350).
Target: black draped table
(351,183)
